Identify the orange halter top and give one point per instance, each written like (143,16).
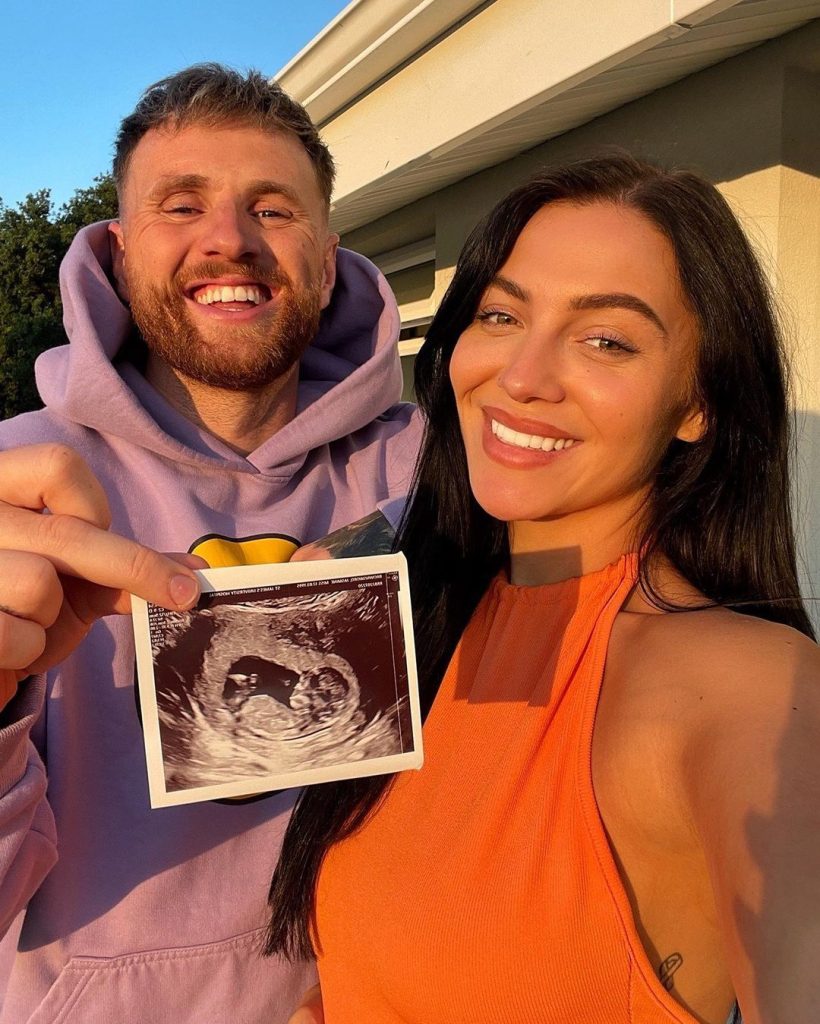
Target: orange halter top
(483,890)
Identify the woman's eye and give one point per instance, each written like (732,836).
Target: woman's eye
(496,317)
(606,344)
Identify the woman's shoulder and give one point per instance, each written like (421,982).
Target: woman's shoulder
(718,648)
(702,645)
(713,666)
(715,689)
(697,709)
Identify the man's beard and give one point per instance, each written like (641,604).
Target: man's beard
(257,353)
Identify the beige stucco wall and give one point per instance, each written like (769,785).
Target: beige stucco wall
(748,124)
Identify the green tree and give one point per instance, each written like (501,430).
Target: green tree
(33,241)
(87,205)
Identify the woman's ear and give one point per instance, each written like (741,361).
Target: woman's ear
(692,426)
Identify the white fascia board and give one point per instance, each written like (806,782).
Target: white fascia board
(363,44)
(511,57)
(411,346)
(423,251)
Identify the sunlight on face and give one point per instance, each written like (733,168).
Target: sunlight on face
(575,374)
(223,251)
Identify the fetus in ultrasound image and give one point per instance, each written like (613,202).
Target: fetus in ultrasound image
(249,684)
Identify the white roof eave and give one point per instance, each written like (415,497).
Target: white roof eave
(365,42)
(403,126)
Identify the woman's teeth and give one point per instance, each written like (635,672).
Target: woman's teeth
(226,293)
(519,440)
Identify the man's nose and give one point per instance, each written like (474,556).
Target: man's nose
(533,371)
(230,232)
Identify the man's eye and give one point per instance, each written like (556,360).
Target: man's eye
(268,213)
(180,208)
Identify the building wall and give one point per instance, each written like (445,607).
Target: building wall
(749,125)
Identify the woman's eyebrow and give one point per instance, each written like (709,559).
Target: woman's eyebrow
(606,300)
(620,300)
(510,287)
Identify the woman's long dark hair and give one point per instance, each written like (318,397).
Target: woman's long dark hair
(719,510)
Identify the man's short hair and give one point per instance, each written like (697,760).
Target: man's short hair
(214,95)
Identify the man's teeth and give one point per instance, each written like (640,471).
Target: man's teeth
(519,440)
(225,293)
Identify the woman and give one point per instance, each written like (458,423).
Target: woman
(617,819)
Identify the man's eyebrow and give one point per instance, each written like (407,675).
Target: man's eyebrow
(194,182)
(267,187)
(178,183)
(620,300)
(510,287)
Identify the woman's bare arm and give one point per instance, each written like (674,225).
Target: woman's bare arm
(752,779)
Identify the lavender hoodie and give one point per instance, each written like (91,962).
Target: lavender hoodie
(156,916)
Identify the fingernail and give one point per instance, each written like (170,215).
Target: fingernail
(183,590)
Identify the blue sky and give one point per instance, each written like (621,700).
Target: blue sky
(70,71)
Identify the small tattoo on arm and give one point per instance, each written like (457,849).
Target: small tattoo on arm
(667,969)
(372,535)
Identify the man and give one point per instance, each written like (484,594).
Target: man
(238,402)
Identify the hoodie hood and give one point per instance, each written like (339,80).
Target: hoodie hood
(349,376)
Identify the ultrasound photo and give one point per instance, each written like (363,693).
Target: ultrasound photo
(280,676)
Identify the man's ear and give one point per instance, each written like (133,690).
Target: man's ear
(117,245)
(692,427)
(329,268)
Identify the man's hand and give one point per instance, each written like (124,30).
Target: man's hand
(310,1010)
(61,571)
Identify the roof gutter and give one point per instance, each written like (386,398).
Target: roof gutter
(363,44)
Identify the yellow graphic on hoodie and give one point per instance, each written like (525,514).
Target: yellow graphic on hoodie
(220,552)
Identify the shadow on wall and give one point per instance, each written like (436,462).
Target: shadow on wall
(778,862)
(807,509)
(407,366)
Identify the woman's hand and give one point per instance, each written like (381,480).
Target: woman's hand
(310,1010)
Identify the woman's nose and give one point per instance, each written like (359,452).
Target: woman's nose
(533,371)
